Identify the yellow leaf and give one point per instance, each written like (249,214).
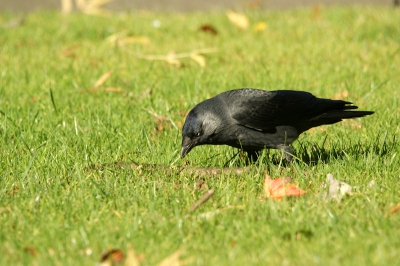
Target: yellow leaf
(131,258)
(199,59)
(260,26)
(173,260)
(92,7)
(174,62)
(66,6)
(134,39)
(80,4)
(113,38)
(103,79)
(239,20)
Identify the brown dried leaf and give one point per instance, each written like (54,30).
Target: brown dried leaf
(159,127)
(31,251)
(179,124)
(103,79)
(395,209)
(278,188)
(255,4)
(316,12)
(239,20)
(69,51)
(201,185)
(340,95)
(111,256)
(208,29)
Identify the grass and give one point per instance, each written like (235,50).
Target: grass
(56,210)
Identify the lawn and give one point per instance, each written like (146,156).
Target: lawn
(66,196)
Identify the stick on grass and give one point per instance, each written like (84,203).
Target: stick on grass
(203,199)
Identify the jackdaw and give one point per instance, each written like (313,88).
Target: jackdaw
(252,119)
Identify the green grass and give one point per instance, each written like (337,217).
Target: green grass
(53,207)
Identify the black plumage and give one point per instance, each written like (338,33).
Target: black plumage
(253,120)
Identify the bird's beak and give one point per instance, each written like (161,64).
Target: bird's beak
(187,145)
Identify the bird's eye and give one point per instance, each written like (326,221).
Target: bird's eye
(198,134)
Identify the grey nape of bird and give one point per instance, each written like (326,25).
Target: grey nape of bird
(252,119)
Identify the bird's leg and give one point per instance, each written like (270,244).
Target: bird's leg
(253,156)
(287,151)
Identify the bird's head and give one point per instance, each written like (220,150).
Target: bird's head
(200,127)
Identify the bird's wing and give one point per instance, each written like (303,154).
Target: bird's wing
(263,110)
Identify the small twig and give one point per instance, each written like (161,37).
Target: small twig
(203,199)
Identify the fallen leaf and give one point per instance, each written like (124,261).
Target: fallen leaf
(92,7)
(174,260)
(208,29)
(88,251)
(316,12)
(156,23)
(171,260)
(133,40)
(255,4)
(14,191)
(239,20)
(159,127)
(103,79)
(113,38)
(395,209)
(260,26)
(111,256)
(201,185)
(30,250)
(340,95)
(66,6)
(69,51)
(278,188)
(336,189)
(199,59)
(121,38)
(173,58)
(131,258)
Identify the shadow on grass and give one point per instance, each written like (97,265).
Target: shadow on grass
(308,153)
(312,154)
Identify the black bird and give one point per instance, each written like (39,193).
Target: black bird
(252,119)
